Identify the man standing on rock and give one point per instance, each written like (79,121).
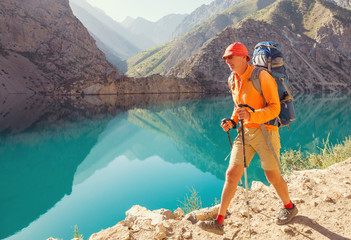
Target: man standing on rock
(267,108)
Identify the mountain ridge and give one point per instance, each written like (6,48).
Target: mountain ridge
(314,64)
(160,59)
(159,31)
(202,14)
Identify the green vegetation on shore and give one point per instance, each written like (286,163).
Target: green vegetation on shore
(293,160)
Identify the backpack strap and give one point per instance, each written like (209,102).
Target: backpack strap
(270,145)
(257,85)
(231,82)
(255,78)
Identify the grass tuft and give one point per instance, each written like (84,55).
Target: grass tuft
(192,202)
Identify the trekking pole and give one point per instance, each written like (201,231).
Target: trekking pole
(245,166)
(231,146)
(245,175)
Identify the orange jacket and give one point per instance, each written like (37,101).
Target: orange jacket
(247,94)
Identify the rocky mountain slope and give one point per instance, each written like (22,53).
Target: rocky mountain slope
(161,59)
(324,213)
(342,3)
(314,36)
(203,13)
(44,48)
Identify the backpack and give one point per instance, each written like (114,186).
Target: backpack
(268,56)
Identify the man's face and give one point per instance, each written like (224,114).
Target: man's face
(236,63)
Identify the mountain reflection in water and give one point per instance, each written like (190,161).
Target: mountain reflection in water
(88,160)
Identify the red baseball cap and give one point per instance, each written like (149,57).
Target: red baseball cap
(238,49)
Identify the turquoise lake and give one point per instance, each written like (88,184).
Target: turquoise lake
(71,168)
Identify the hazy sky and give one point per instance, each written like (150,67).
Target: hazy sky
(151,10)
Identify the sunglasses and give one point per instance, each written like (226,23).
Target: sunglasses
(229,57)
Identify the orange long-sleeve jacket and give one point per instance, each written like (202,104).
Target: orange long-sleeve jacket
(246,93)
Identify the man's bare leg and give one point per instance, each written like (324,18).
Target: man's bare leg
(232,178)
(274,178)
(289,211)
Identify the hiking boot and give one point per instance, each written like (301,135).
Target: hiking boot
(211,226)
(286,215)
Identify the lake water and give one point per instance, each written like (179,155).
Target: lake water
(62,169)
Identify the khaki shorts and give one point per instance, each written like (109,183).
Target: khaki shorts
(256,142)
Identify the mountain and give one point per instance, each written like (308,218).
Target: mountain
(161,59)
(315,36)
(202,14)
(158,32)
(120,41)
(109,32)
(342,3)
(111,56)
(45,49)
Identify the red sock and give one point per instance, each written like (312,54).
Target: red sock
(290,205)
(220,219)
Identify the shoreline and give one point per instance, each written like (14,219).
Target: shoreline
(322,197)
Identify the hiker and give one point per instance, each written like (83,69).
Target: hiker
(243,92)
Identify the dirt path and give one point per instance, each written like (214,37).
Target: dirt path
(323,198)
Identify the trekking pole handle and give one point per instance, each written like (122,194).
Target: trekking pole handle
(224,120)
(245,105)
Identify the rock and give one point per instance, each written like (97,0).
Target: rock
(257,209)
(286,229)
(142,214)
(191,217)
(160,232)
(244,213)
(297,200)
(135,212)
(187,235)
(326,198)
(179,213)
(347,195)
(166,213)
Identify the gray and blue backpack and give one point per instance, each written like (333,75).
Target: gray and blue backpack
(268,56)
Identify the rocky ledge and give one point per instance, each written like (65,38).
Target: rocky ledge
(322,197)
